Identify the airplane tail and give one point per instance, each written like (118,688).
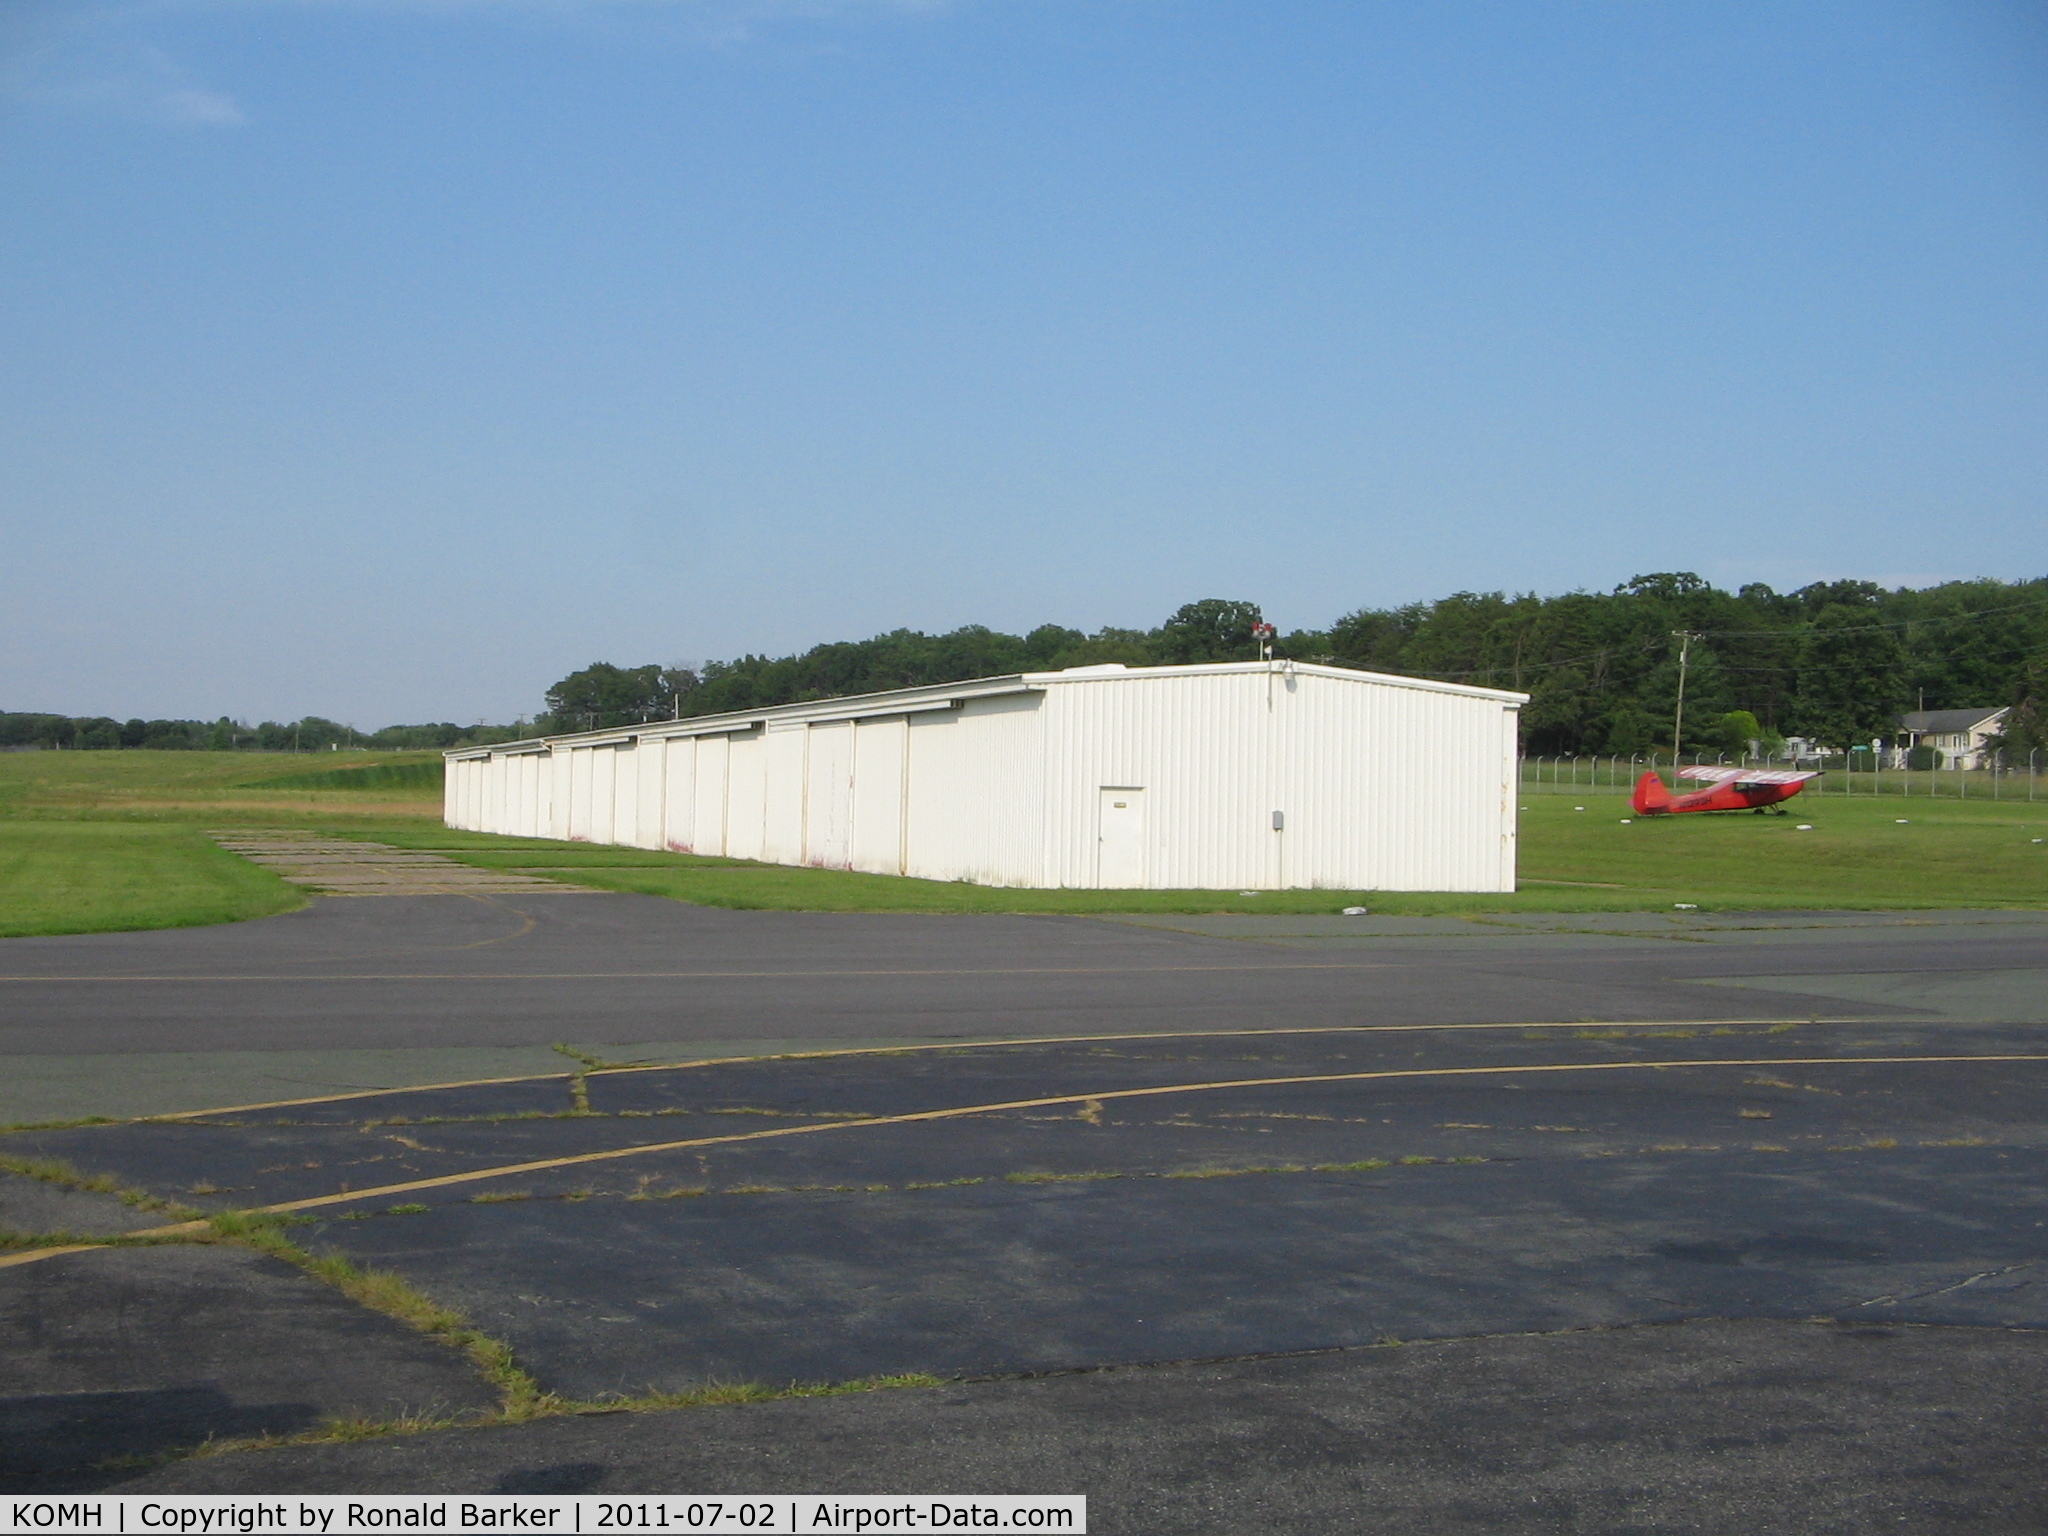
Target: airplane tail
(1651,797)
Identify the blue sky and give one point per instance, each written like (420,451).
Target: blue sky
(388,359)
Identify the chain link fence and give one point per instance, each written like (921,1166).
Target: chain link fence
(1854,773)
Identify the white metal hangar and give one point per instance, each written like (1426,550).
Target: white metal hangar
(1254,775)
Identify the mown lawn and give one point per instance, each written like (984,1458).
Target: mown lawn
(272,789)
(97,877)
(95,842)
(1859,853)
(106,840)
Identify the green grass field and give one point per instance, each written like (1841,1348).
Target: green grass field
(1858,855)
(94,841)
(94,877)
(1861,853)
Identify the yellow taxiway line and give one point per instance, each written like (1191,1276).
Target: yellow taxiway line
(971,1045)
(926,1116)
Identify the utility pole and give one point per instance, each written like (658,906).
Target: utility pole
(1685,638)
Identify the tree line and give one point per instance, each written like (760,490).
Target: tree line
(100,733)
(1834,662)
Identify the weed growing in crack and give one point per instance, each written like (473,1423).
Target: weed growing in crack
(593,1063)
(15,1242)
(57,1125)
(381,1291)
(1232,1173)
(718,1393)
(50,1170)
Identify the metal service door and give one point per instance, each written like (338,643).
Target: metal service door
(1120,835)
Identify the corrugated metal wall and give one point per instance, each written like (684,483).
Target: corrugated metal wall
(828,796)
(1198,745)
(1379,784)
(746,794)
(650,827)
(881,760)
(708,831)
(974,802)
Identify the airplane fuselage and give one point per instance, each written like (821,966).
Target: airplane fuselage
(1653,799)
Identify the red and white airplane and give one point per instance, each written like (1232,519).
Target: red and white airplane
(1729,789)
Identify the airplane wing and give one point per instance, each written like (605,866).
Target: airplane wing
(1746,775)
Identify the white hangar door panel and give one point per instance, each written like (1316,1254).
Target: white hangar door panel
(1120,840)
(537,779)
(456,797)
(746,793)
(828,797)
(525,771)
(579,793)
(880,753)
(679,797)
(561,773)
(652,757)
(604,785)
(625,794)
(707,827)
(782,810)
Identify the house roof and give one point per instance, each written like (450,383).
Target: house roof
(1927,722)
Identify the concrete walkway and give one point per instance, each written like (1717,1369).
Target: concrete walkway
(336,866)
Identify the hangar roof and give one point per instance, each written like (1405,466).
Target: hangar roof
(937,696)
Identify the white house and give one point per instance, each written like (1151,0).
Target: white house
(1253,775)
(1958,734)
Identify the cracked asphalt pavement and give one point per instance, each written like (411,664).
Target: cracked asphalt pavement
(1619,1222)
